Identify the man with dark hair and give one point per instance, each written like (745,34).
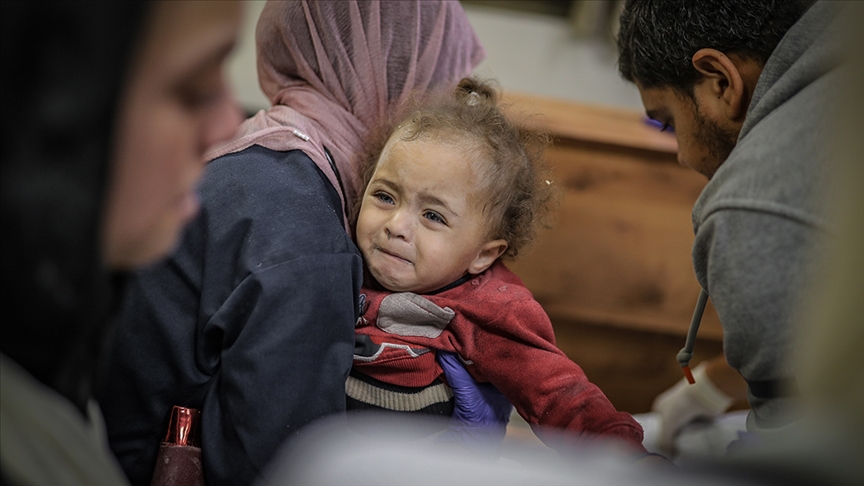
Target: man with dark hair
(745,85)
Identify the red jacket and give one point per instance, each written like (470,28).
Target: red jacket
(504,337)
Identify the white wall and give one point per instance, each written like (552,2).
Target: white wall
(242,73)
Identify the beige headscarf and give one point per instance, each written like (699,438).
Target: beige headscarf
(333,68)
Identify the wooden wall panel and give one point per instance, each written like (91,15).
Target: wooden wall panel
(614,272)
(619,251)
(631,367)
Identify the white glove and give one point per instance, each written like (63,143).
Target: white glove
(684,403)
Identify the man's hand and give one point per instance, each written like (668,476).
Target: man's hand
(684,403)
(481,412)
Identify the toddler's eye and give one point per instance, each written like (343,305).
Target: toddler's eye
(383,197)
(434,217)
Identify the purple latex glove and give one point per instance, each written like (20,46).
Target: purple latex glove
(481,412)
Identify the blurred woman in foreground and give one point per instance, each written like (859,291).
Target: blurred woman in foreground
(108,109)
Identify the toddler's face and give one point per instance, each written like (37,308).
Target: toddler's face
(420,225)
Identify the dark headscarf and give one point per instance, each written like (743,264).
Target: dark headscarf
(63,69)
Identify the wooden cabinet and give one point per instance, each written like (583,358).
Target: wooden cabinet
(614,273)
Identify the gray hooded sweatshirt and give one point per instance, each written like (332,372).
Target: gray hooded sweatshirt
(762,219)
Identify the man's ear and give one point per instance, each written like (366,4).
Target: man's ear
(724,82)
(487,255)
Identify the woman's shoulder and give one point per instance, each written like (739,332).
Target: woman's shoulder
(269,181)
(259,168)
(271,202)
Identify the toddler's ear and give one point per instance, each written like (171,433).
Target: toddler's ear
(487,255)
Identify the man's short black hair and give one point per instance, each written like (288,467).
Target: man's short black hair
(658,38)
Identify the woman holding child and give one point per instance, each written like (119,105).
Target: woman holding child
(251,319)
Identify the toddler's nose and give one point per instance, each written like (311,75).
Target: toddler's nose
(399,226)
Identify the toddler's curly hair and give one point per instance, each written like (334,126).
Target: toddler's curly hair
(508,155)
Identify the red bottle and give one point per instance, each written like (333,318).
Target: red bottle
(179,459)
